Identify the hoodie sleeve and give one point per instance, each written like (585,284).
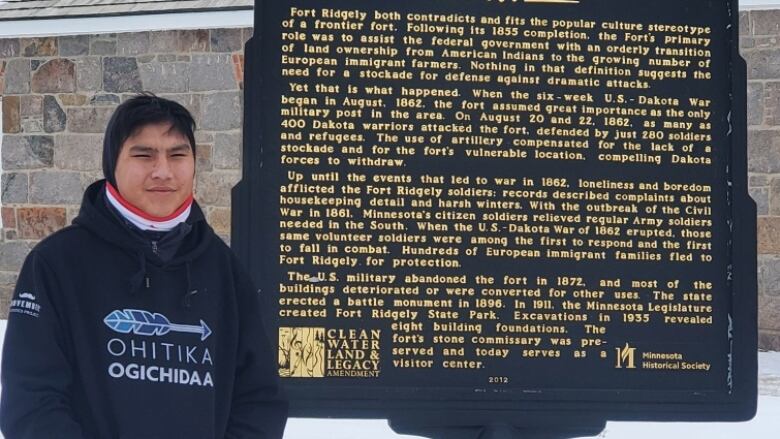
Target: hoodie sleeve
(36,374)
(259,408)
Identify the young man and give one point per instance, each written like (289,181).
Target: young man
(137,322)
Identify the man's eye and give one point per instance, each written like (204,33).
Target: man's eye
(143,156)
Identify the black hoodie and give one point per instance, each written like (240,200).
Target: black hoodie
(106,340)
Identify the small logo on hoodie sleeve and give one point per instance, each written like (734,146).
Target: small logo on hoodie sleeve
(26,304)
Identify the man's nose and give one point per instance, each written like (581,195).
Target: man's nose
(162,168)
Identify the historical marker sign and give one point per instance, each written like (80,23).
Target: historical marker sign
(502,206)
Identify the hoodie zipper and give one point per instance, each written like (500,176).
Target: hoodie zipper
(154,248)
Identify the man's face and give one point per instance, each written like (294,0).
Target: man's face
(155,170)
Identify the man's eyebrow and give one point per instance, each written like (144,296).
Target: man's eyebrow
(180,147)
(144,148)
(141,148)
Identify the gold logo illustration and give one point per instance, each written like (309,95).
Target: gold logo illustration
(625,355)
(302,352)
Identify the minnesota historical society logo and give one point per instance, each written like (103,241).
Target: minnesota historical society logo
(316,352)
(146,359)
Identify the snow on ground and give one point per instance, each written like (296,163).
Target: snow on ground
(765,425)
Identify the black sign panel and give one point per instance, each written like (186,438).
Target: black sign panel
(502,207)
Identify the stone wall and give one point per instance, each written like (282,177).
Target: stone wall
(57,96)
(760,46)
(59,92)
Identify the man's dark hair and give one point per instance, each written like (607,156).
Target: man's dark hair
(137,112)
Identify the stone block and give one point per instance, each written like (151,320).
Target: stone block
(55,187)
(41,46)
(219,220)
(17,76)
(769,340)
(166,58)
(771,103)
(72,100)
(9,47)
(760,195)
(755,103)
(132,43)
(7,284)
(73,45)
(226,40)
(31,106)
(55,76)
(765,22)
(87,178)
(89,74)
(88,119)
(747,43)
(238,69)
(769,312)
(762,63)
(204,162)
(165,77)
(212,72)
(78,152)
(32,126)
(193,40)
(228,150)
(27,152)
(769,235)
(39,222)
(14,187)
(744,23)
(12,255)
(72,213)
(53,117)
(203,137)
(9,217)
(247,33)
(765,42)
(774,197)
(12,114)
(223,111)
(120,74)
(103,46)
(103,99)
(755,180)
(213,188)
(163,41)
(764,151)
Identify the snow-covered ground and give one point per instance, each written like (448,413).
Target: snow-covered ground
(766,424)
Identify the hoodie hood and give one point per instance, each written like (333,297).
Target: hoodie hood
(195,235)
